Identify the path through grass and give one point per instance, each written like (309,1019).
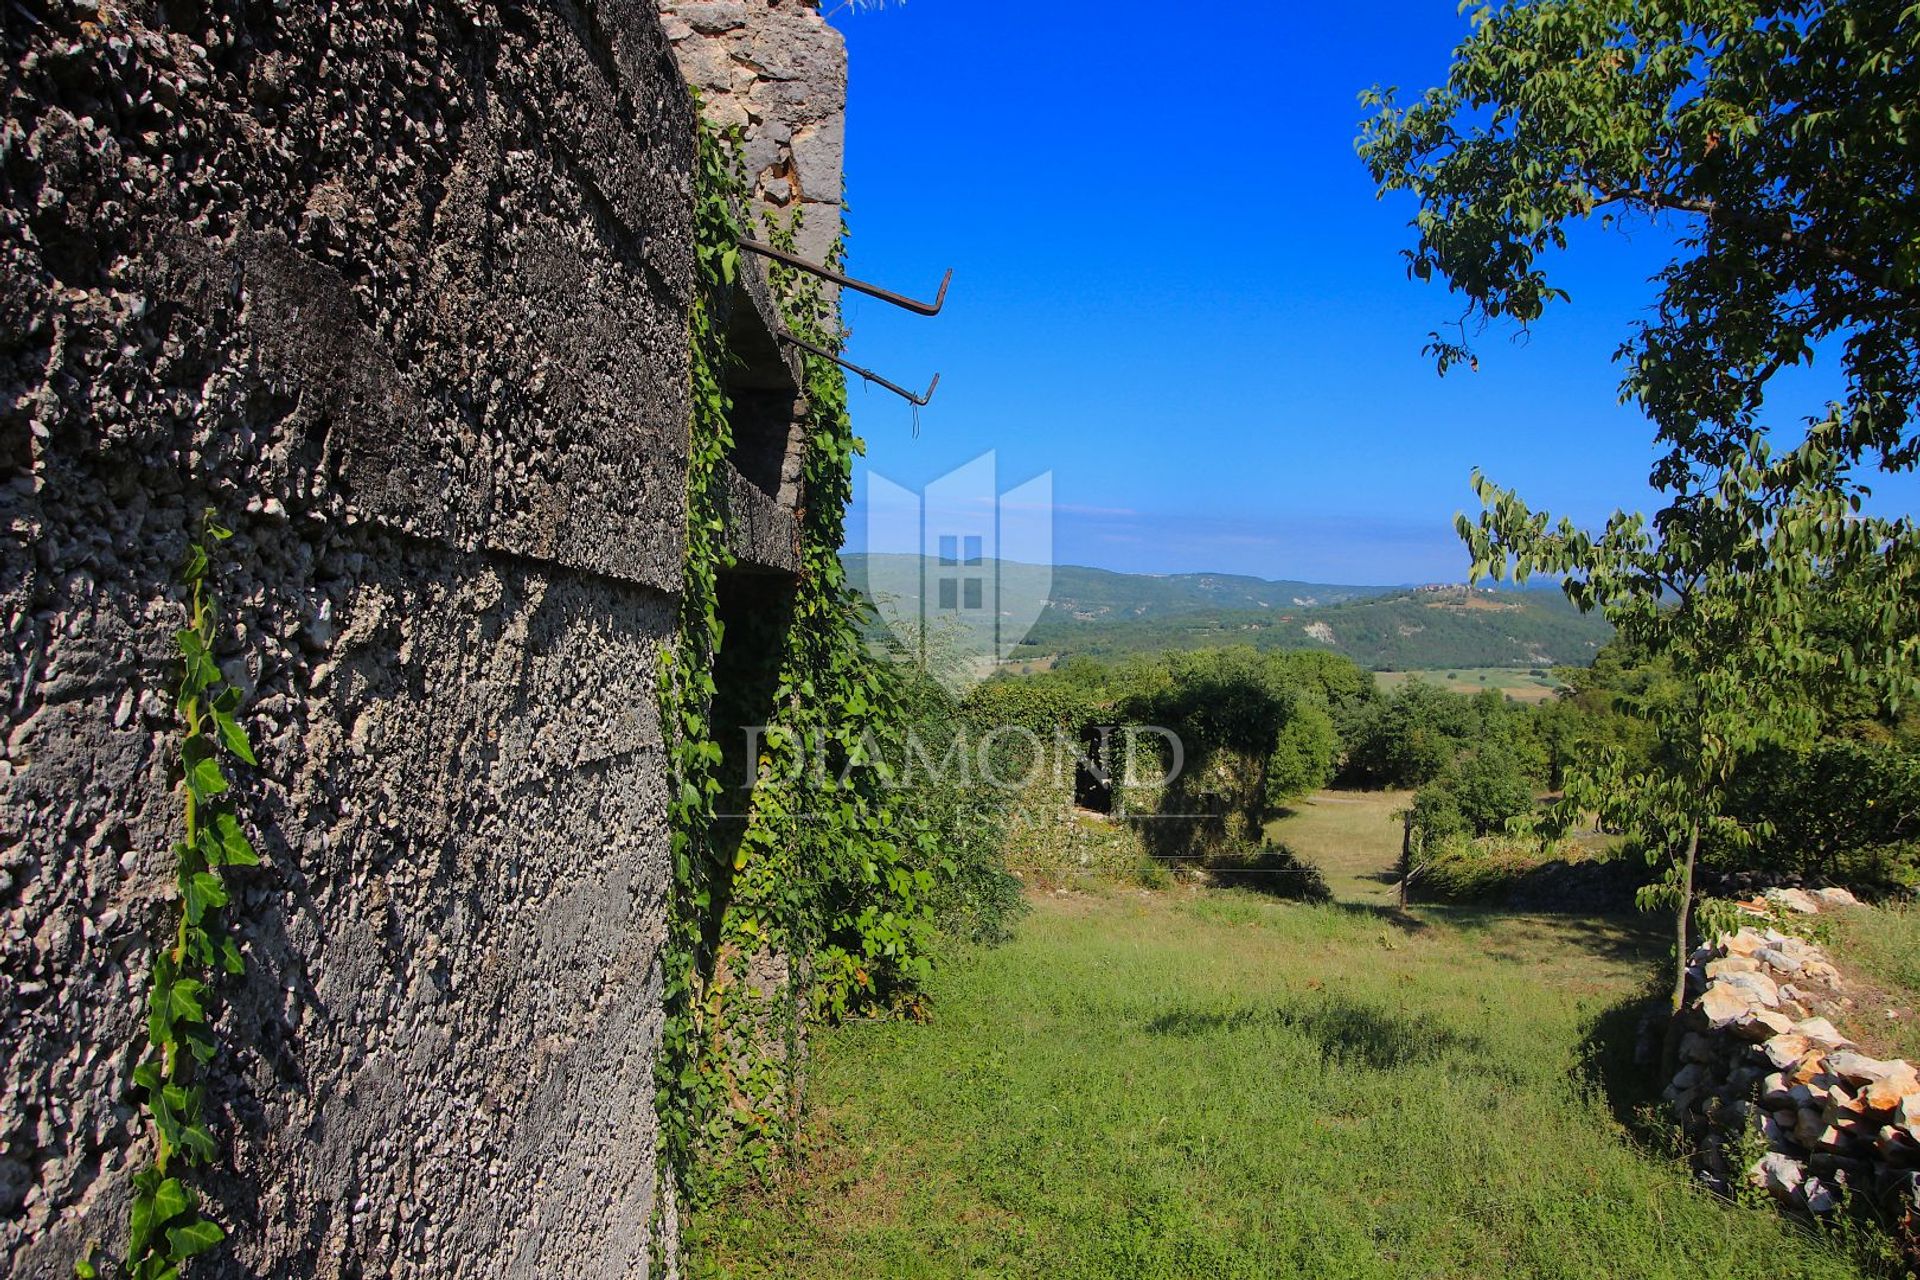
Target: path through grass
(1212,1084)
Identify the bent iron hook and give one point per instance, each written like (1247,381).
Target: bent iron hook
(871,290)
(868,374)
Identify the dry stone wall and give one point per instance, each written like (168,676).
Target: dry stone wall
(1772,1093)
(402,292)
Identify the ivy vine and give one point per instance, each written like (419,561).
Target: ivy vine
(167,1227)
(832,871)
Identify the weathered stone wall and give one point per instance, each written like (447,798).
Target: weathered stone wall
(777,72)
(402,292)
(1772,1093)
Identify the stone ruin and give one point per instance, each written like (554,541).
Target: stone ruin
(402,292)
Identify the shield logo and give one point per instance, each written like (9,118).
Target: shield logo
(966,570)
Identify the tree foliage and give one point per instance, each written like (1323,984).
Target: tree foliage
(1781,137)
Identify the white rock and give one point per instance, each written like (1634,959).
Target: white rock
(1723,1004)
(1819,1197)
(1762,1024)
(1759,988)
(1835,898)
(1823,1033)
(1794,900)
(1784,1051)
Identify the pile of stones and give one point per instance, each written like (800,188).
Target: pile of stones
(1771,1092)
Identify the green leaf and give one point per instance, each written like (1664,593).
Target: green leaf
(169,1198)
(204,778)
(183,1000)
(235,849)
(198,1144)
(142,1221)
(232,736)
(204,891)
(196,1237)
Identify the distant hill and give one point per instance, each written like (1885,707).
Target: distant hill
(1096,595)
(1102,613)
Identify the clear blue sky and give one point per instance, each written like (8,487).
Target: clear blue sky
(1175,290)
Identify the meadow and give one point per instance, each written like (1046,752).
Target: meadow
(1197,1082)
(1522,683)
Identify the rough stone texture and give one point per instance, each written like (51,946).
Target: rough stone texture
(402,292)
(1830,1117)
(776,71)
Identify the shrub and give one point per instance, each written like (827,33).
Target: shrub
(1490,789)
(1303,759)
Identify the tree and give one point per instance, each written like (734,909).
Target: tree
(1303,758)
(1490,787)
(1781,138)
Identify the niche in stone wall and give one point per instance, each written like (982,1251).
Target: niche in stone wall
(755,610)
(1093,770)
(768,411)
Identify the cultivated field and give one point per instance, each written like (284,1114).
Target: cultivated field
(1516,682)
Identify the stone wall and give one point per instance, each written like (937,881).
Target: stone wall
(1771,1093)
(402,292)
(777,72)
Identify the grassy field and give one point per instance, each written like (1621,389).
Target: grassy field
(1191,1083)
(1517,683)
(1880,950)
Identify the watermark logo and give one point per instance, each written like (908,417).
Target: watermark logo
(960,572)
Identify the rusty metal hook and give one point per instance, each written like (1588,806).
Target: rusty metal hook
(868,374)
(860,286)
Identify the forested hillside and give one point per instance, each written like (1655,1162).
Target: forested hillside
(1100,613)
(1407,630)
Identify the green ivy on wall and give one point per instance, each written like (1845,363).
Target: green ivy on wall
(829,879)
(167,1227)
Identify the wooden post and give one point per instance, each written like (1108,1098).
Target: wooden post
(1406,855)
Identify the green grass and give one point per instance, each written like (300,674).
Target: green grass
(1214,1084)
(1882,946)
(1352,836)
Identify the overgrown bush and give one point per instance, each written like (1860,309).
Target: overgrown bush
(1845,811)
(1304,758)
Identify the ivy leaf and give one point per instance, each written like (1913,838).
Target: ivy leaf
(198,1144)
(141,1223)
(147,1076)
(196,1237)
(183,1000)
(235,849)
(204,778)
(171,1197)
(204,891)
(200,1044)
(232,736)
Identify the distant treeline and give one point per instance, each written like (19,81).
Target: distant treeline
(1847,810)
